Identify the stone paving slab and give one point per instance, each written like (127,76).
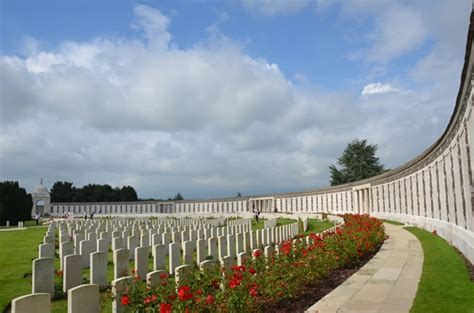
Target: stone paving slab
(387,283)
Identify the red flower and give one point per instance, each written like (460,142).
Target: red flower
(166,308)
(286,248)
(147,300)
(184,293)
(163,275)
(234,283)
(153,297)
(199,292)
(210,299)
(252,271)
(172,297)
(253,292)
(125,300)
(257,253)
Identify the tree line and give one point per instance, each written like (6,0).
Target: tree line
(15,203)
(67,192)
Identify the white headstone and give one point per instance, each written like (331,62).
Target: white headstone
(121,263)
(83,299)
(159,257)
(174,256)
(141,262)
(118,287)
(98,272)
(72,273)
(46,250)
(36,302)
(43,276)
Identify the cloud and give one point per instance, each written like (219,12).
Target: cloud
(154,25)
(206,121)
(375,88)
(398,30)
(274,7)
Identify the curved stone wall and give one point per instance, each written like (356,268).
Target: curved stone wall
(433,191)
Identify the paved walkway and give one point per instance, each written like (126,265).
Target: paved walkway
(387,283)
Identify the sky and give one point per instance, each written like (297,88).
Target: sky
(212,98)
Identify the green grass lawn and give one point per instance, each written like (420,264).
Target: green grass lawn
(393,222)
(445,285)
(317,226)
(18,248)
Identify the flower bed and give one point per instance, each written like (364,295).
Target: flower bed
(260,281)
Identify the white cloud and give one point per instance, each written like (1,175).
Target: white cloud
(398,30)
(154,25)
(375,88)
(42,62)
(204,121)
(274,7)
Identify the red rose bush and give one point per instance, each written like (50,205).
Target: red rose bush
(261,280)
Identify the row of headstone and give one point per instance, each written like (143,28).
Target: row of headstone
(239,221)
(93,252)
(80,299)
(227,248)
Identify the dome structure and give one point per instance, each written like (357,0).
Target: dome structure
(41,200)
(40,190)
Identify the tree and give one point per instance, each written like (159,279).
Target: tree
(66,192)
(239,194)
(15,203)
(128,193)
(358,161)
(63,192)
(178,197)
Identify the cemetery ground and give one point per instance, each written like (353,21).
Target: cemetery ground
(445,286)
(20,247)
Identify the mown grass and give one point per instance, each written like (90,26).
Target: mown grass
(393,222)
(17,249)
(445,285)
(317,226)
